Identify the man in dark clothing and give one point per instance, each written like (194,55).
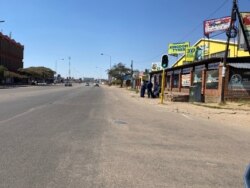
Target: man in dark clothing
(143,88)
(149,88)
(157,90)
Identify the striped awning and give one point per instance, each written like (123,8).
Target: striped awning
(240,65)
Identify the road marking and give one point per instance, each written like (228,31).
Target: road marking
(187,117)
(22,114)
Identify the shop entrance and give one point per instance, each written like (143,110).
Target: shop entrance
(195,89)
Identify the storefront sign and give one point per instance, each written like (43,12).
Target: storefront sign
(246,22)
(187,70)
(214,25)
(212,66)
(177,48)
(185,80)
(190,54)
(199,67)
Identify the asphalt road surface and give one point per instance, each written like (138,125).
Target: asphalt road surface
(83,136)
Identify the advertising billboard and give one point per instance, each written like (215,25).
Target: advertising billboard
(177,48)
(190,54)
(219,24)
(245,16)
(156,67)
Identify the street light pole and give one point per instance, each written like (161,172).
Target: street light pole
(56,64)
(69,67)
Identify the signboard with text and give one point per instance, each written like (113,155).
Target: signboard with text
(177,48)
(220,24)
(190,54)
(246,22)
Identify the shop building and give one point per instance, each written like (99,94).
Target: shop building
(201,80)
(11,53)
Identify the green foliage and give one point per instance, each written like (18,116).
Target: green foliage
(2,70)
(37,72)
(118,71)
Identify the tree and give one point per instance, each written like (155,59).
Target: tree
(2,70)
(37,73)
(118,71)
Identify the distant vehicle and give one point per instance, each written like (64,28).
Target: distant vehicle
(68,84)
(96,85)
(87,84)
(42,83)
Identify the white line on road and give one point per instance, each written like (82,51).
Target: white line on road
(22,114)
(187,117)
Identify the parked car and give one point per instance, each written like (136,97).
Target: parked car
(87,84)
(68,84)
(96,85)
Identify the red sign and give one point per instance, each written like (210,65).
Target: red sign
(214,25)
(246,20)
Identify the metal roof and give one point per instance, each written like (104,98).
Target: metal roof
(240,65)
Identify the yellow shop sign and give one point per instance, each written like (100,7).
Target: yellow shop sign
(177,48)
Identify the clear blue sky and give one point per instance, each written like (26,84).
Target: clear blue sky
(138,30)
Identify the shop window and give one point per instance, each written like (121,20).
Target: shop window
(197,78)
(176,81)
(168,81)
(212,79)
(239,79)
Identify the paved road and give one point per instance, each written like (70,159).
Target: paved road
(99,137)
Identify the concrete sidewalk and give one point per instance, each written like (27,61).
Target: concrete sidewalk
(231,113)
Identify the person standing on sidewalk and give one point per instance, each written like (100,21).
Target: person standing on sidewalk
(143,89)
(157,90)
(149,89)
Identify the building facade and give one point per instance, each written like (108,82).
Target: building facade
(11,53)
(211,48)
(202,79)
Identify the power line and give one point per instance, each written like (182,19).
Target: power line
(198,26)
(194,29)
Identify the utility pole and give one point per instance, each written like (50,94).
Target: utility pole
(231,33)
(69,67)
(162,85)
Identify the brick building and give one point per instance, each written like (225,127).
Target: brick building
(11,53)
(202,80)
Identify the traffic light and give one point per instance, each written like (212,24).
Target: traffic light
(164,61)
